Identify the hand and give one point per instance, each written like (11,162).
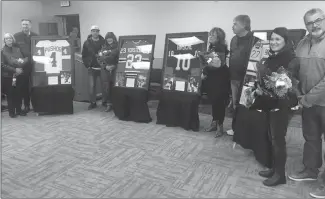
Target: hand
(258,90)
(109,68)
(203,76)
(20,60)
(19,71)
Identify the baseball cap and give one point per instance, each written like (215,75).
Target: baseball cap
(94,27)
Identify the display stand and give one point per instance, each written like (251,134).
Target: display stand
(52,75)
(131,82)
(181,80)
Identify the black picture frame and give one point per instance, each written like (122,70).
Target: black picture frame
(152,40)
(34,41)
(204,36)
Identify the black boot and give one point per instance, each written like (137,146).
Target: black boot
(212,127)
(267,173)
(92,106)
(275,180)
(220,131)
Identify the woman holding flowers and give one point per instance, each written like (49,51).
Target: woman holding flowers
(273,95)
(108,59)
(216,73)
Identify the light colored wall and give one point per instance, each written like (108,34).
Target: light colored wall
(161,17)
(13,11)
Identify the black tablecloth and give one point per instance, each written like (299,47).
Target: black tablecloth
(252,132)
(179,109)
(53,99)
(130,104)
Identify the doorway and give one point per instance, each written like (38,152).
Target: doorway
(71,28)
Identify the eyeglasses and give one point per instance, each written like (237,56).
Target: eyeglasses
(316,22)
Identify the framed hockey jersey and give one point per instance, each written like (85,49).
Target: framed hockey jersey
(53,61)
(135,61)
(181,65)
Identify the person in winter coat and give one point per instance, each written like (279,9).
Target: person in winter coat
(12,65)
(281,54)
(108,59)
(90,50)
(217,80)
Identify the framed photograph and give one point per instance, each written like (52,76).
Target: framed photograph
(51,56)
(135,61)
(65,77)
(182,62)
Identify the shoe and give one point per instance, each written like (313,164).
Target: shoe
(108,108)
(212,127)
(267,173)
(230,132)
(220,131)
(275,180)
(92,106)
(27,109)
(303,175)
(12,115)
(319,193)
(22,113)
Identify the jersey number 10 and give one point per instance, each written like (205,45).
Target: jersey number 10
(185,67)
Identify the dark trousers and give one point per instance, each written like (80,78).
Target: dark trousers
(106,85)
(219,109)
(24,89)
(13,95)
(313,127)
(279,121)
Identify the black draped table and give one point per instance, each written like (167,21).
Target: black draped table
(252,132)
(56,99)
(179,109)
(130,104)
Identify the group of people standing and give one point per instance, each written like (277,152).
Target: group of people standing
(306,68)
(306,65)
(16,68)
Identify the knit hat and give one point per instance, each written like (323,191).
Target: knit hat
(283,32)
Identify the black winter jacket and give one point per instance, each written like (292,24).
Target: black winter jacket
(90,50)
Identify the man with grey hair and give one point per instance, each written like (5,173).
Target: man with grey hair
(240,48)
(309,71)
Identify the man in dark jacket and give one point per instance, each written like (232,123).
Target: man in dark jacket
(90,50)
(23,39)
(240,48)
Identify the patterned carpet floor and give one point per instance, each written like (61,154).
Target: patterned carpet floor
(92,154)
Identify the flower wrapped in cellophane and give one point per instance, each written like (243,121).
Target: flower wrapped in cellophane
(102,54)
(278,82)
(268,85)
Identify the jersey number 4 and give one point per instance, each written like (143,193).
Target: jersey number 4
(53,56)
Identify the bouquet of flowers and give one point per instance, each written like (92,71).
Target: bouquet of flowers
(101,56)
(210,57)
(278,82)
(275,85)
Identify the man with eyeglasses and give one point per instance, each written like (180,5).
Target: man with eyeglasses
(309,71)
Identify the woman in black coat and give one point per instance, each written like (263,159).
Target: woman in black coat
(12,65)
(278,110)
(217,80)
